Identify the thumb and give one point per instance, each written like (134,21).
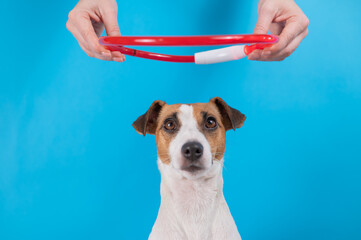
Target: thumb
(264,21)
(111,23)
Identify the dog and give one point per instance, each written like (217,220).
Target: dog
(190,142)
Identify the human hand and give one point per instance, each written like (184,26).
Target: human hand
(87,22)
(283,18)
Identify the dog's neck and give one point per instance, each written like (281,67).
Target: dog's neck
(191,208)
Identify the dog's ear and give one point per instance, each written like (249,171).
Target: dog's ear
(147,123)
(231,118)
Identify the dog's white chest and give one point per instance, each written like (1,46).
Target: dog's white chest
(193,210)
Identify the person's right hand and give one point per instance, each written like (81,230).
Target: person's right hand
(87,22)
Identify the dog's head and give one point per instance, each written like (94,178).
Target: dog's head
(190,137)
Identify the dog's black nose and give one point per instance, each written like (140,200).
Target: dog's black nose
(192,150)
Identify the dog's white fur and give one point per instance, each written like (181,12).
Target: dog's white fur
(192,204)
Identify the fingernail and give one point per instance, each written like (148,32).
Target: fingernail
(267,53)
(118,59)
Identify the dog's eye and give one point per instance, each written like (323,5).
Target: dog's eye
(170,125)
(211,123)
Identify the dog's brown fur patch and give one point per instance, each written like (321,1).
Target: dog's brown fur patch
(163,138)
(215,138)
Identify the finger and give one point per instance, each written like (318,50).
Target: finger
(78,37)
(76,27)
(70,26)
(276,28)
(292,46)
(281,50)
(85,46)
(86,30)
(116,54)
(118,57)
(289,32)
(264,21)
(111,22)
(279,56)
(112,29)
(255,55)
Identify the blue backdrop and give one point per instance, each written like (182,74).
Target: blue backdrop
(72,167)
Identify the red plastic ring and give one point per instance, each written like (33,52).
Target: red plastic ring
(118,43)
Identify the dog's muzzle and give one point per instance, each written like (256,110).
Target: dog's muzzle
(192,151)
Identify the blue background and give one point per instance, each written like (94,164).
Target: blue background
(72,167)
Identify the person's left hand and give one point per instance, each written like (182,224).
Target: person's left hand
(87,22)
(283,18)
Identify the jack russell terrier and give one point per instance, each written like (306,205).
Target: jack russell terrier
(190,144)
